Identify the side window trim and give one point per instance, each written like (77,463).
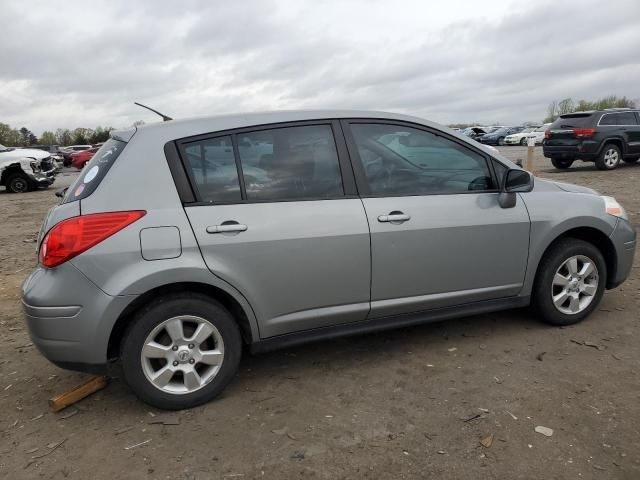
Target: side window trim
(345,166)
(358,167)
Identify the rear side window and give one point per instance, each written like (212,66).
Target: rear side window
(608,119)
(290,163)
(574,120)
(626,118)
(93,173)
(212,167)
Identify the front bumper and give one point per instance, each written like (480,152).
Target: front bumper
(512,141)
(42,179)
(69,318)
(624,242)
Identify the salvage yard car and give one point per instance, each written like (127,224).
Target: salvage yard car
(21,169)
(605,137)
(519,138)
(189,241)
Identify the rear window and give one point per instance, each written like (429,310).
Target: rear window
(573,120)
(93,173)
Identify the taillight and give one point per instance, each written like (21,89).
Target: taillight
(584,132)
(547,133)
(73,236)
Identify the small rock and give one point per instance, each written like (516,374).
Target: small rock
(546,431)
(441,452)
(452,349)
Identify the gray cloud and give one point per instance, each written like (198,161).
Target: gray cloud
(76,63)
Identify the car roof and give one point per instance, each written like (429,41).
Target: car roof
(175,129)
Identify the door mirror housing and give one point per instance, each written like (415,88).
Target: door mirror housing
(514,181)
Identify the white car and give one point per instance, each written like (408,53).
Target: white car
(538,133)
(519,138)
(20,169)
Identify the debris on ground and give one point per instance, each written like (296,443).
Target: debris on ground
(165,420)
(588,344)
(53,446)
(131,447)
(487,441)
(69,414)
(546,431)
(122,430)
(511,414)
(540,355)
(76,394)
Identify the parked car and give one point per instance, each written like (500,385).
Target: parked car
(81,158)
(497,136)
(181,249)
(21,172)
(519,138)
(605,137)
(474,132)
(538,134)
(70,150)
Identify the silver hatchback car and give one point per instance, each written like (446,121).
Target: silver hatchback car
(183,242)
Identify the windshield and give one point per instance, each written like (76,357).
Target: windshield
(2,148)
(500,131)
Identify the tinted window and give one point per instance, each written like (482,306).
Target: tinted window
(213,169)
(608,119)
(576,120)
(626,118)
(400,160)
(290,163)
(93,173)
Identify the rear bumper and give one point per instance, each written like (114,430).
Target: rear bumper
(586,150)
(69,318)
(624,241)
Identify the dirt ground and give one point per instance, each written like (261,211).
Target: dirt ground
(411,403)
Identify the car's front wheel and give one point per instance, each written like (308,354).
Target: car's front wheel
(570,282)
(561,163)
(501,141)
(18,183)
(181,351)
(523,141)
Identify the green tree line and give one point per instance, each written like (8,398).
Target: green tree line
(23,137)
(567,105)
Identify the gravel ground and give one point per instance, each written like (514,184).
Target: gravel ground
(410,403)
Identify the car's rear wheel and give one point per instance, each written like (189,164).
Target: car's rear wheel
(181,351)
(18,183)
(561,163)
(570,282)
(609,158)
(501,141)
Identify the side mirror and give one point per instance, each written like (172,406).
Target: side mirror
(514,181)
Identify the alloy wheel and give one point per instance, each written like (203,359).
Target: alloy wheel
(611,158)
(574,285)
(182,354)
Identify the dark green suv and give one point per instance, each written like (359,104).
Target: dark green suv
(605,137)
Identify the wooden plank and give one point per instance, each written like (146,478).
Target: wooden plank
(76,394)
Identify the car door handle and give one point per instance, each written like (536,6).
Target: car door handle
(227,227)
(394,217)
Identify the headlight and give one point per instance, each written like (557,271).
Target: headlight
(612,207)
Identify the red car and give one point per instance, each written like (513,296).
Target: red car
(80,159)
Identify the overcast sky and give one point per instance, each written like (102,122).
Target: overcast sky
(84,63)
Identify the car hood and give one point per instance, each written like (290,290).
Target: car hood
(24,153)
(567,187)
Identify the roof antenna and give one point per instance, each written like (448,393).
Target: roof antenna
(164,117)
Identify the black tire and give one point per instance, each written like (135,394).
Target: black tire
(19,183)
(523,141)
(542,299)
(606,160)
(152,315)
(561,163)
(630,160)
(501,141)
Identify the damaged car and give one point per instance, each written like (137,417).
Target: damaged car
(21,171)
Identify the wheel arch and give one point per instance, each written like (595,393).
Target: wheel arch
(595,237)
(617,141)
(226,299)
